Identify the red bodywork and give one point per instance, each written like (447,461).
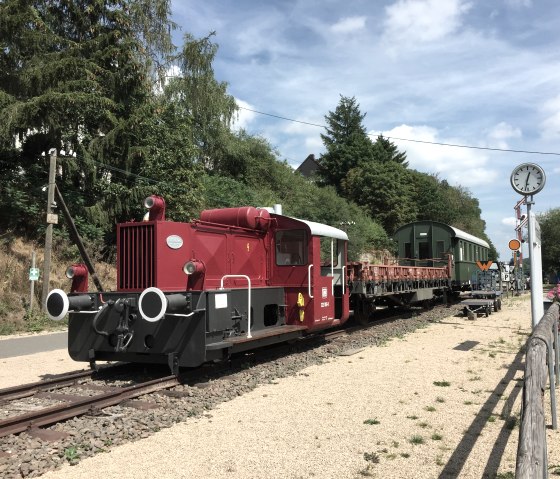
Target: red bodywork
(235,241)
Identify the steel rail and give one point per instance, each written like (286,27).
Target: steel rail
(26,390)
(62,412)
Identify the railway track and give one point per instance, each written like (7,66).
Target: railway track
(88,396)
(92,398)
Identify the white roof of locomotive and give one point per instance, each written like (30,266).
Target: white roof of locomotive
(319,229)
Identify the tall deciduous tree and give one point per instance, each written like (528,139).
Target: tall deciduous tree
(346,142)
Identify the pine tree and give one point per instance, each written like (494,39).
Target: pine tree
(74,75)
(346,141)
(385,151)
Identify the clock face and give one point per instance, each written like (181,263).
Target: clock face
(528,179)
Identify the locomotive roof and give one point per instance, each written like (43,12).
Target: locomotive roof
(320,229)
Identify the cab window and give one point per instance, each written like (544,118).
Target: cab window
(326,251)
(291,248)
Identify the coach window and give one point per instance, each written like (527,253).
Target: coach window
(291,248)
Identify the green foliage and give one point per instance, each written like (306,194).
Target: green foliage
(385,190)
(74,76)
(550,237)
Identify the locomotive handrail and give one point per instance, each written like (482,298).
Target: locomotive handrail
(343,279)
(309,281)
(243,276)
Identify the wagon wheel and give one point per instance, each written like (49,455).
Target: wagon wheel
(363,314)
(499,304)
(496,308)
(487,311)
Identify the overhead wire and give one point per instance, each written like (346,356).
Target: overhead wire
(453,145)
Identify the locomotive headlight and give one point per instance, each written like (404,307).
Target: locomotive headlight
(193,267)
(70,272)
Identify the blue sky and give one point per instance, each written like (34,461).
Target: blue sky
(478,73)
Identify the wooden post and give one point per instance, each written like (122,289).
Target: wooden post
(51,219)
(78,240)
(531,450)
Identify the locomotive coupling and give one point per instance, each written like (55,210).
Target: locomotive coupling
(59,303)
(153,304)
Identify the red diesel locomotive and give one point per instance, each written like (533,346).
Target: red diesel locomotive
(236,279)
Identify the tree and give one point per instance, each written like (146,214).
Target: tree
(550,238)
(346,142)
(385,151)
(74,75)
(203,100)
(385,190)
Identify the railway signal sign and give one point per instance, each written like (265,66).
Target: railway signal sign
(514,244)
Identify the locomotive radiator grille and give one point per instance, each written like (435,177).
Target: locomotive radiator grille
(136,257)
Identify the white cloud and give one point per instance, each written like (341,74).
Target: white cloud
(463,166)
(244,117)
(551,124)
(411,21)
(349,25)
(509,221)
(497,137)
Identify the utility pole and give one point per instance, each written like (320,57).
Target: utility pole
(52,219)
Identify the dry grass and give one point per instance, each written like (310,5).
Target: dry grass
(15,288)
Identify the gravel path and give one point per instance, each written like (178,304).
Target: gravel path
(442,401)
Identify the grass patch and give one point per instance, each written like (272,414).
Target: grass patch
(467,403)
(436,437)
(440,399)
(416,439)
(442,384)
(423,425)
(413,417)
(371,457)
(430,408)
(371,421)
(406,455)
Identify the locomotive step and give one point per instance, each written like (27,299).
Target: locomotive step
(263,337)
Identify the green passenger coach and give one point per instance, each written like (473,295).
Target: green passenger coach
(428,243)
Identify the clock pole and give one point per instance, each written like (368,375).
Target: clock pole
(534,239)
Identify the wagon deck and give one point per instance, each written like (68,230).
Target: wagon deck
(481,302)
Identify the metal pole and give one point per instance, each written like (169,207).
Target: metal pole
(537,308)
(48,236)
(32,282)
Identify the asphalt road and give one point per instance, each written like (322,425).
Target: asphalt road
(32,344)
